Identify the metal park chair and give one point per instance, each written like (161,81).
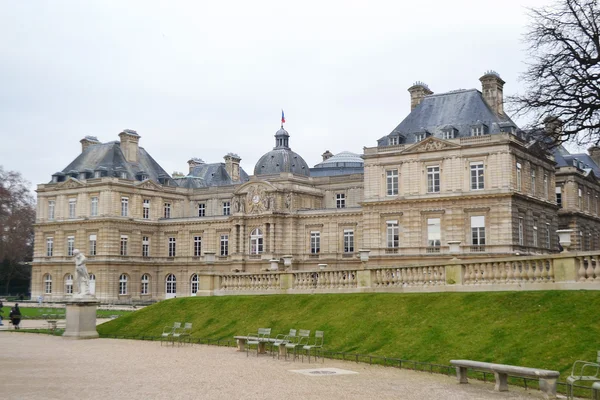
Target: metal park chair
(317,345)
(583,371)
(167,333)
(183,334)
(282,340)
(259,340)
(303,337)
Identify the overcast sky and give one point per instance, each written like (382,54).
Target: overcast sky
(204,78)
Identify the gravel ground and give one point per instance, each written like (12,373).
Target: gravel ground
(34,366)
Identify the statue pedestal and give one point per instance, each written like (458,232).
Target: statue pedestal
(81,318)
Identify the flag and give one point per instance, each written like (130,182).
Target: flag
(282,117)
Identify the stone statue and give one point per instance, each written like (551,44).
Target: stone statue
(81,274)
(236,205)
(288,200)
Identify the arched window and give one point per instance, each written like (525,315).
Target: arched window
(123,284)
(194,284)
(145,284)
(48,284)
(92,283)
(256,241)
(171,287)
(68,284)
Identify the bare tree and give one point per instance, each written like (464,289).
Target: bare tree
(17,215)
(563,77)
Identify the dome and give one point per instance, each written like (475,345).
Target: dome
(343,159)
(281,159)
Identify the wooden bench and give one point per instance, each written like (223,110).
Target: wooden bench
(546,377)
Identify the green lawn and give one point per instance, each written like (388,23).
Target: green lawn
(36,313)
(547,329)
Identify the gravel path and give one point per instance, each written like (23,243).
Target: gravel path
(34,366)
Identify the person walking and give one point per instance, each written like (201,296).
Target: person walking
(15,316)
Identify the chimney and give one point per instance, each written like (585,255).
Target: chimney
(129,144)
(88,141)
(417,92)
(327,155)
(493,93)
(595,154)
(194,162)
(232,166)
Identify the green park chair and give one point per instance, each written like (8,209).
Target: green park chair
(302,341)
(317,345)
(167,333)
(259,340)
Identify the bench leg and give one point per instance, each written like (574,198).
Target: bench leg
(461,374)
(548,387)
(501,382)
(241,344)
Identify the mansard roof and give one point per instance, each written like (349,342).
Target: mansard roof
(581,160)
(460,110)
(206,175)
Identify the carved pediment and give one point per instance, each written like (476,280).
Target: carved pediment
(148,184)
(71,183)
(430,144)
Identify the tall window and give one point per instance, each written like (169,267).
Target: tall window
(256,241)
(124,240)
(197,246)
(580,199)
(224,245)
(201,209)
(146,209)
(315,242)
(92,244)
(476,175)
(94,207)
(145,284)
(68,284)
(92,283)
(433,179)
(519,177)
(123,284)
(48,284)
(547,236)
(521,233)
(70,245)
(348,241)
(226,208)
(171,284)
(340,200)
(51,205)
(72,207)
(533,180)
(558,191)
(392,182)
(535,233)
(434,235)
(478,230)
(546,193)
(145,246)
(49,246)
(194,284)
(393,234)
(172,247)
(167,213)
(589,201)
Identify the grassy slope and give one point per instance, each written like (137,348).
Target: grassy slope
(537,329)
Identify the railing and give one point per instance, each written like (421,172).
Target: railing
(409,276)
(325,280)
(266,281)
(511,272)
(589,269)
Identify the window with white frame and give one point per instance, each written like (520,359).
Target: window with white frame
(167,213)
(51,206)
(97,174)
(171,282)
(201,209)
(92,283)
(393,234)
(547,235)
(48,284)
(392,182)
(477,175)
(348,241)
(580,198)
(519,177)
(197,246)
(123,284)
(49,246)
(92,245)
(224,247)
(94,206)
(393,140)
(145,284)
(478,230)
(70,245)
(68,284)
(194,284)
(558,191)
(478,130)
(172,247)
(72,208)
(340,200)
(433,179)
(226,208)
(535,233)
(421,136)
(521,233)
(256,241)
(546,193)
(533,180)
(448,134)
(146,209)
(124,240)
(434,232)
(315,242)
(145,246)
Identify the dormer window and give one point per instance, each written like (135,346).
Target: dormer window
(393,140)
(421,136)
(82,176)
(479,130)
(449,133)
(123,175)
(97,174)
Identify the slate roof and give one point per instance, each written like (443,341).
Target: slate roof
(108,157)
(205,175)
(344,163)
(564,159)
(459,109)
(281,159)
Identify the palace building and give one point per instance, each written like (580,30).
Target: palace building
(456,178)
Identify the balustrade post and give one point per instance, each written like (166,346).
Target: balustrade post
(565,269)
(454,274)
(286,281)
(364,277)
